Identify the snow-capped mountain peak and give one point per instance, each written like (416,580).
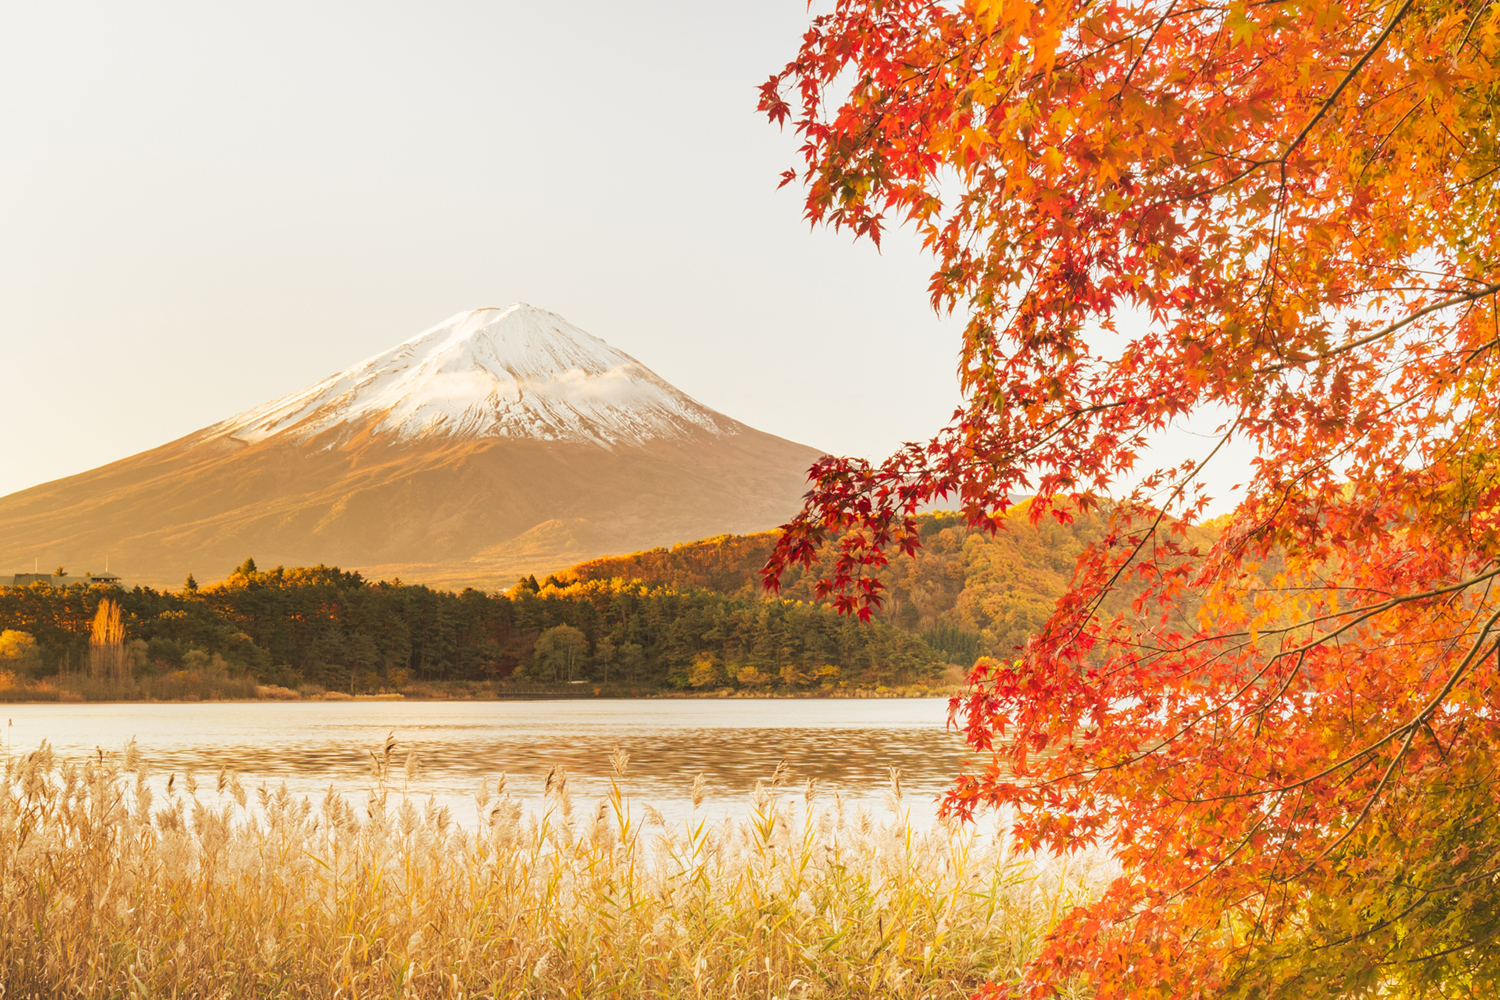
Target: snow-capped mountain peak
(516,372)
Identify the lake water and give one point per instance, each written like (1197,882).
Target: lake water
(847,745)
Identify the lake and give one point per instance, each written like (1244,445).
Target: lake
(846,745)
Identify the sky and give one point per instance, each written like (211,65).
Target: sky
(207,206)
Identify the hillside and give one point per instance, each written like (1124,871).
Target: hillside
(966,593)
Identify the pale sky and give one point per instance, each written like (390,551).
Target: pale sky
(204,206)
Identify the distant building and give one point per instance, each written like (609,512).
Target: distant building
(52,580)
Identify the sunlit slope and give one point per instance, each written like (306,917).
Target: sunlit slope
(967,591)
(501,442)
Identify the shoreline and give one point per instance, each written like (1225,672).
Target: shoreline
(338,697)
(193,687)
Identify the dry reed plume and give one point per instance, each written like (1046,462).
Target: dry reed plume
(108,891)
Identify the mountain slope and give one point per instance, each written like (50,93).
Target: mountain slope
(501,441)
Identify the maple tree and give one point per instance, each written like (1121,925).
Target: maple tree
(1287,739)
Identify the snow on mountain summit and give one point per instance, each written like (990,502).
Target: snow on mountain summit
(517,372)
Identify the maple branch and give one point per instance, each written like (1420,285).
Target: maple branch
(1228,857)
(1253,165)
(1410,728)
(1300,652)
(1144,49)
(1364,390)
(1411,734)
(1447,951)
(1423,894)
(1066,419)
(1364,613)
(1093,605)
(1291,675)
(1463,298)
(1348,78)
(1386,138)
(1480,177)
(1459,671)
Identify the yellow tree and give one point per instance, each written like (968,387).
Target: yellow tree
(108,659)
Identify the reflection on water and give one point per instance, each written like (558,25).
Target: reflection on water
(846,745)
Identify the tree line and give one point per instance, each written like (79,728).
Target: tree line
(326,626)
(968,592)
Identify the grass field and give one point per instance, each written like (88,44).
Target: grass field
(219,891)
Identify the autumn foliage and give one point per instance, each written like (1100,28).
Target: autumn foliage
(1288,737)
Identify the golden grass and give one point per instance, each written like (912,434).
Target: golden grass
(275,692)
(107,891)
(211,684)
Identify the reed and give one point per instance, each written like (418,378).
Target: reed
(107,890)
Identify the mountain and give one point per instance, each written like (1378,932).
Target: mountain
(500,442)
(516,373)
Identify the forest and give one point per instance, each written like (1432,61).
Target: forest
(691,617)
(331,629)
(967,592)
